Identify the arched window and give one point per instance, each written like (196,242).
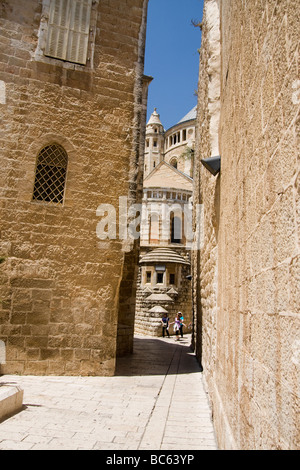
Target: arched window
(174,162)
(154,228)
(50,176)
(176,228)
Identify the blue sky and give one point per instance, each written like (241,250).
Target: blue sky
(172,57)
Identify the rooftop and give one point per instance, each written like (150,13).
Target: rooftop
(190,115)
(163,255)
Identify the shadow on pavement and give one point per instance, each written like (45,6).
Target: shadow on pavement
(153,356)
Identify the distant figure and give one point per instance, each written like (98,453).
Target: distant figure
(165,325)
(181,324)
(178,323)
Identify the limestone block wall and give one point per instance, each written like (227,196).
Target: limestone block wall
(60,284)
(246,272)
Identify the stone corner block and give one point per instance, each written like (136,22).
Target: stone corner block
(11,400)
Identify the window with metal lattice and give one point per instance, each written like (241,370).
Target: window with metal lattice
(50,176)
(68,30)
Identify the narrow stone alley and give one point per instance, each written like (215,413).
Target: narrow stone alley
(156,401)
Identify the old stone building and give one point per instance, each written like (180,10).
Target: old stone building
(164,285)
(246,256)
(72,104)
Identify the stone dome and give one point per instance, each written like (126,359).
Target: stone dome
(163,255)
(154,118)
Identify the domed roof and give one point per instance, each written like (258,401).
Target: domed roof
(158,309)
(163,255)
(154,118)
(159,297)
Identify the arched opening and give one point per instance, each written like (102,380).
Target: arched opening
(50,174)
(176,228)
(174,163)
(154,229)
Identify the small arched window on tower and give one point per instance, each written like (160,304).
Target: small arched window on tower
(50,175)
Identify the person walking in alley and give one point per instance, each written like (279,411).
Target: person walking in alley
(165,325)
(181,324)
(177,325)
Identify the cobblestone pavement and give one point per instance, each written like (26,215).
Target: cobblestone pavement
(156,401)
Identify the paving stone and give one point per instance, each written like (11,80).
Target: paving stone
(140,408)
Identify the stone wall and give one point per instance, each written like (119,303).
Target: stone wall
(246,271)
(60,285)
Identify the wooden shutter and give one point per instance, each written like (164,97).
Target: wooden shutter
(79,31)
(58,29)
(68,30)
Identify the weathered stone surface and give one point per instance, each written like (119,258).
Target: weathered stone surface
(61,291)
(247,268)
(11,400)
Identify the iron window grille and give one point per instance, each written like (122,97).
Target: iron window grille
(50,177)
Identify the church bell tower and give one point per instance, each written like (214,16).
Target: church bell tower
(154,146)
